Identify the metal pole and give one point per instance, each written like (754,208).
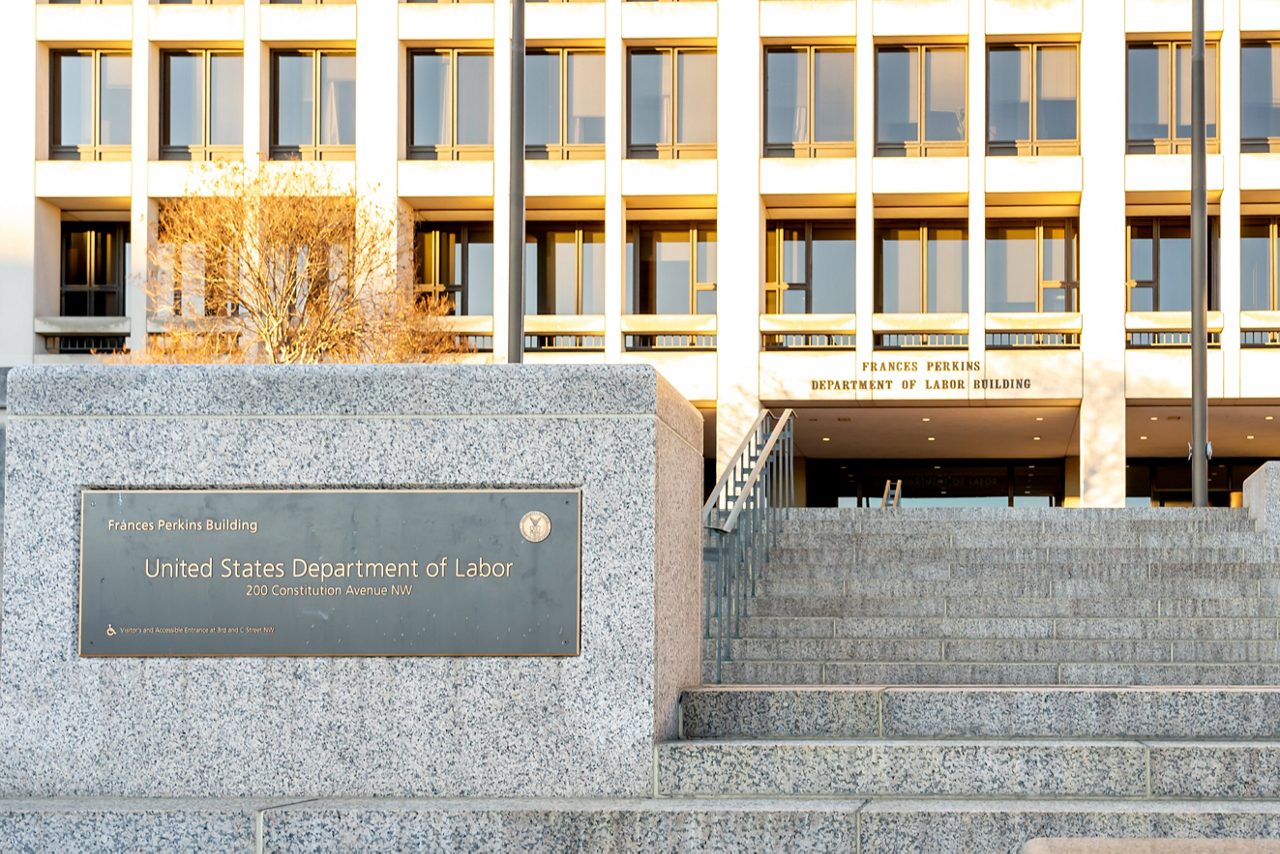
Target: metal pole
(1199,269)
(515,270)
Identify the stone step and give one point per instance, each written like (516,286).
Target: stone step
(1066,628)
(982,826)
(993,606)
(969,767)
(992,673)
(998,538)
(995,571)
(902,767)
(810,555)
(931,712)
(1018,587)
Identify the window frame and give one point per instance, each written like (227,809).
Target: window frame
(696,229)
(564,150)
(119,265)
(924,227)
(1172,144)
(1131,284)
(1032,146)
(205,150)
(775,286)
(1248,144)
(673,150)
(453,150)
(810,148)
(316,150)
(922,147)
(1071,261)
(1273,261)
(533,231)
(96,149)
(429,284)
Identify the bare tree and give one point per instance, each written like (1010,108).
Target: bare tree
(278,264)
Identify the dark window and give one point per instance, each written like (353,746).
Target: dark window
(1031,99)
(564,269)
(922,268)
(564,104)
(94,268)
(1260,96)
(450,105)
(1031,266)
(810,268)
(1159,100)
(90,110)
(202,105)
(1160,264)
(456,261)
(671,103)
(921,113)
(313,114)
(676,266)
(809,101)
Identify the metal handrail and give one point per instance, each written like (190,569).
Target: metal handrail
(741,521)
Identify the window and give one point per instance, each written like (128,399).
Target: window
(313,105)
(671,269)
(1259,96)
(450,105)
(94,268)
(922,268)
(90,112)
(456,261)
(1031,100)
(1160,264)
(671,103)
(1031,266)
(564,105)
(1160,97)
(202,105)
(808,99)
(564,269)
(1259,263)
(809,268)
(921,114)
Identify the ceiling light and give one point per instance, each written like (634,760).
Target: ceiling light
(1249,437)
(937,467)
(1035,438)
(926,420)
(1155,417)
(1039,417)
(1143,438)
(1033,465)
(826,438)
(930,438)
(1269,418)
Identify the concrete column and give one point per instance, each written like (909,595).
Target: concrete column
(144,136)
(977,181)
(1102,257)
(1229,206)
(19,58)
(865,117)
(378,60)
(615,214)
(501,173)
(740,225)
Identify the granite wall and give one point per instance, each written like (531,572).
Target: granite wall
(353,727)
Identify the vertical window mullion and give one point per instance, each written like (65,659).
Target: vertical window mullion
(1033,95)
(315,104)
(923,284)
(921,132)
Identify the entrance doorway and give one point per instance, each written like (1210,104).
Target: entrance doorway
(936,483)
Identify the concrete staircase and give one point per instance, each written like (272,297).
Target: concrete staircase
(987,769)
(1014,597)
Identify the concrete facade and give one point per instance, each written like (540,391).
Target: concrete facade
(1102,388)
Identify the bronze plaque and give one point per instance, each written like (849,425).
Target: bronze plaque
(260,572)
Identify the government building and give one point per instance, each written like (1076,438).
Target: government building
(954,235)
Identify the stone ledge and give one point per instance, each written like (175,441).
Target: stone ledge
(349,390)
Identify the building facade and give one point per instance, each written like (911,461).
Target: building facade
(952,234)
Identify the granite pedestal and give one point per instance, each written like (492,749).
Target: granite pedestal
(297,728)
